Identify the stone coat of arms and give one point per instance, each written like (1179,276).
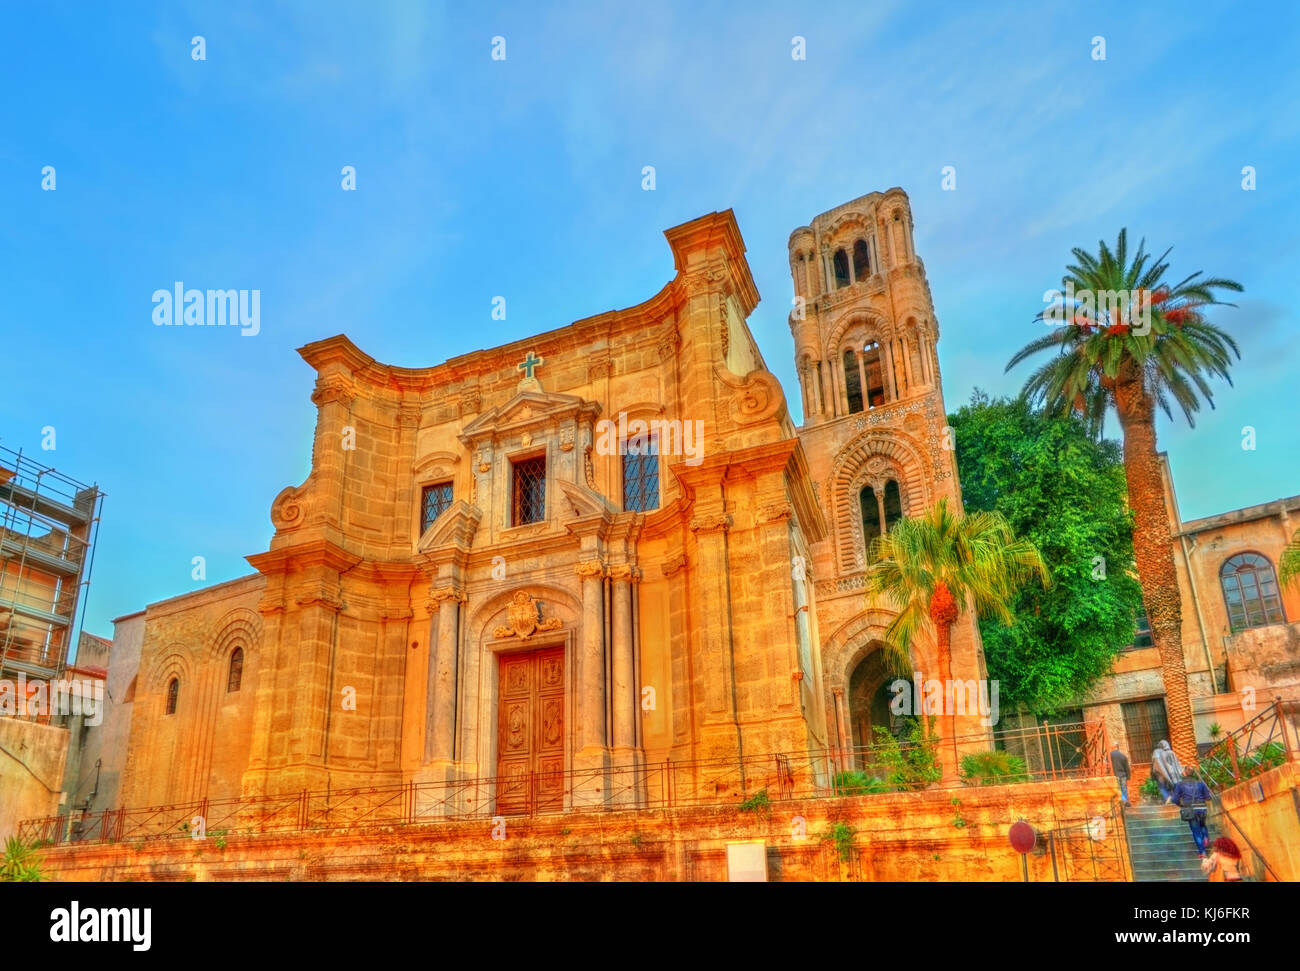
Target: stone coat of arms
(525,618)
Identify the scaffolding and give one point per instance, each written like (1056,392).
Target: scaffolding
(48,527)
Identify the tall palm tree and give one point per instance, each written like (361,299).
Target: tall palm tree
(1152,347)
(931,566)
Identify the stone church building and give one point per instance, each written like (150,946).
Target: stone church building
(587,551)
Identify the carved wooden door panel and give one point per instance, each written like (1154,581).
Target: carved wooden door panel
(530,732)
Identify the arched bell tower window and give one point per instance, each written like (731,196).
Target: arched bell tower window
(875,372)
(173,694)
(861,260)
(870,517)
(893,504)
(852,382)
(840,263)
(880,511)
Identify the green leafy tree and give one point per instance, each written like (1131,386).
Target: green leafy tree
(1151,347)
(1064,492)
(1289,563)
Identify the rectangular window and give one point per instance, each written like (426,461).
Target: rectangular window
(1142,638)
(529,491)
(436,501)
(641,477)
(1145,724)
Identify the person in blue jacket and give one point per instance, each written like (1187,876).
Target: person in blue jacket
(1192,796)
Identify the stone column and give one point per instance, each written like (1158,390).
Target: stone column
(907,362)
(823,383)
(444,610)
(590,751)
(624,755)
(624,710)
(862,379)
(891,391)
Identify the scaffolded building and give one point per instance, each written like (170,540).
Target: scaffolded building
(48,526)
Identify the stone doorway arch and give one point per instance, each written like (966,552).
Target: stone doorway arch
(868,699)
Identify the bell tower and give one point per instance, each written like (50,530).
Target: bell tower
(863,322)
(876,436)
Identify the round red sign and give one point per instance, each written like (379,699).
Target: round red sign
(1022,836)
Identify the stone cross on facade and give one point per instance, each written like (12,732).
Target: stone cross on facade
(528,365)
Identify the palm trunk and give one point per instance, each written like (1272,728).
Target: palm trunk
(1153,551)
(944,632)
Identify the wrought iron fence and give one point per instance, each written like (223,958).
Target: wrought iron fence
(1094,850)
(1268,740)
(754,780)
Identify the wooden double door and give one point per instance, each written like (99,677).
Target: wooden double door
(530,732)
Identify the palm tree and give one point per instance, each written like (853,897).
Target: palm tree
(931,566)
(1289,562)
(1149,347)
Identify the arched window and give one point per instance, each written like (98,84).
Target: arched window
(893,505)
(875,375)
(236,675)
(861,260)
(1250,591)
(173,692)
(841,265)
(852,382)
(870,517)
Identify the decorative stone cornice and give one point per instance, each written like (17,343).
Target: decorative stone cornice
(668,343)
(710,277)
(439,595)
(468,402)
(590,568)
(673,565)
(332,388)
(775,512)
(725,323)
(710,524)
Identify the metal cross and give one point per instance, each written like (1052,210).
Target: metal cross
(529,364)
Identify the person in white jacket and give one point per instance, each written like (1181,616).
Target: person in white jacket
(1166,769)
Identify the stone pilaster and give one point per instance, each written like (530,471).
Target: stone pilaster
(591,752)
(444,629)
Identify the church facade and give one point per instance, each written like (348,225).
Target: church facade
(595,549)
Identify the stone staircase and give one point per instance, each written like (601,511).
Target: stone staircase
(1160,846)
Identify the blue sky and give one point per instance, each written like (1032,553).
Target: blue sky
(522,178)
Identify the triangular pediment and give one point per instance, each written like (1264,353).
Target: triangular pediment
(455,528)
(580,501)
(525,409)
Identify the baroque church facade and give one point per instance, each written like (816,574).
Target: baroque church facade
(555,562)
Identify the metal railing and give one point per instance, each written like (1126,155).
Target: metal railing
(1094,850)
(1268,740)
(753,781)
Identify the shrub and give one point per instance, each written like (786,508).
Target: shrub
(757,803)
(20,863)
(1150,790)
(911,764)
(993,768)
(859,784)
(842,836)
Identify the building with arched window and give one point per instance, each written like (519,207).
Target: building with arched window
(549,564)
(1241,636)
